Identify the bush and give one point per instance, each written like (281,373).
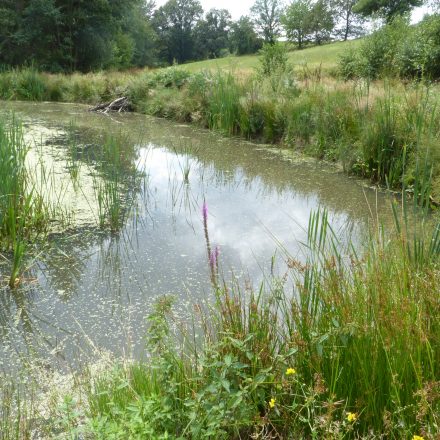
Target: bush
(350,65)
(273,59)
(171,77)
(29,85)
(397,49)
(419,53)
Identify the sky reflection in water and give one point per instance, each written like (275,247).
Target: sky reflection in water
(95,289)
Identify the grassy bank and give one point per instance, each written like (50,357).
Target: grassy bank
(353,351)
(384,131)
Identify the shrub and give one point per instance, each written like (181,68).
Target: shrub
(273,59)
(419,53)
(29,85)
(397,49)
(171,77)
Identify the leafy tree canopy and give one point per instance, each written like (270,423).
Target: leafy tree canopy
(385,8)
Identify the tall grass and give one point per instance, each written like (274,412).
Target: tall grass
(30,198)
(374,130)
(22,215)
(352,352)
(115,182)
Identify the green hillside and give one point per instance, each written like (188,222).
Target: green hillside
(327,55)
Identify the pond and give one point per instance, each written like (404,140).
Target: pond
(90,289)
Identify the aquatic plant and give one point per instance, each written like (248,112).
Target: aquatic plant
(26,210)
(372,132)
(115,181)
(352,353)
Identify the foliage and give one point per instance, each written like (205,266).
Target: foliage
(273,59)
(419,52)
(57,35)
(174,23)
(330,361)
(351,23)
(211,33)
(267,15)
(322,21)
(243,39)
(388,9)
(297,21)
(398,49)
(304,20)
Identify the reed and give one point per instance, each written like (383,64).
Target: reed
(116,180)
(352,352)
(373,128)
(25,209)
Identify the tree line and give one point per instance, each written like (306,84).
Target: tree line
(84,35)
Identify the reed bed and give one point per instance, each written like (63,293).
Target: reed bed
(23,213)
(378,130)
(353,351)
(32,196)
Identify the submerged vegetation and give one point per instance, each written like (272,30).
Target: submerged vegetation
(32,199)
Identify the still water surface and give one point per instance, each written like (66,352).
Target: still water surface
(92,289)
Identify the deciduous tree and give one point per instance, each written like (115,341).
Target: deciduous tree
(267,15)
(297,21)
(385,8)
(243,38)
(212,33)
(175,22)
(350,24)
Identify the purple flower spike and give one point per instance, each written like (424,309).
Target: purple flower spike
(212,259)
(205,212)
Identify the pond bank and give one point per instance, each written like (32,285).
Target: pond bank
(388,133)
(336,337)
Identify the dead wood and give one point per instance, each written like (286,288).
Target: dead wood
(118,105)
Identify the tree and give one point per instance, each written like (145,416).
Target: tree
(72,35)
(350,22)
(212,33)
(267,15)
(138,26)
(243,38)
(174,23)
(10,21)
(322,21)
(297,21)
(385,8)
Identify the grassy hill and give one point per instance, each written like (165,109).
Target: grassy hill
(326,55)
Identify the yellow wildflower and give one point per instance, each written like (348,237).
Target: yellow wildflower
(272,402)
(290,371)
(417,437)
(352,417)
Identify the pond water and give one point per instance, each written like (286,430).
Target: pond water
(92,289)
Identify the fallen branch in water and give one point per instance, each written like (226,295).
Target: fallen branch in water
(118,105)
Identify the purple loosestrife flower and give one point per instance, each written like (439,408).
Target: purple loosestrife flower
(213,257)
(205,212)
(212,260)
